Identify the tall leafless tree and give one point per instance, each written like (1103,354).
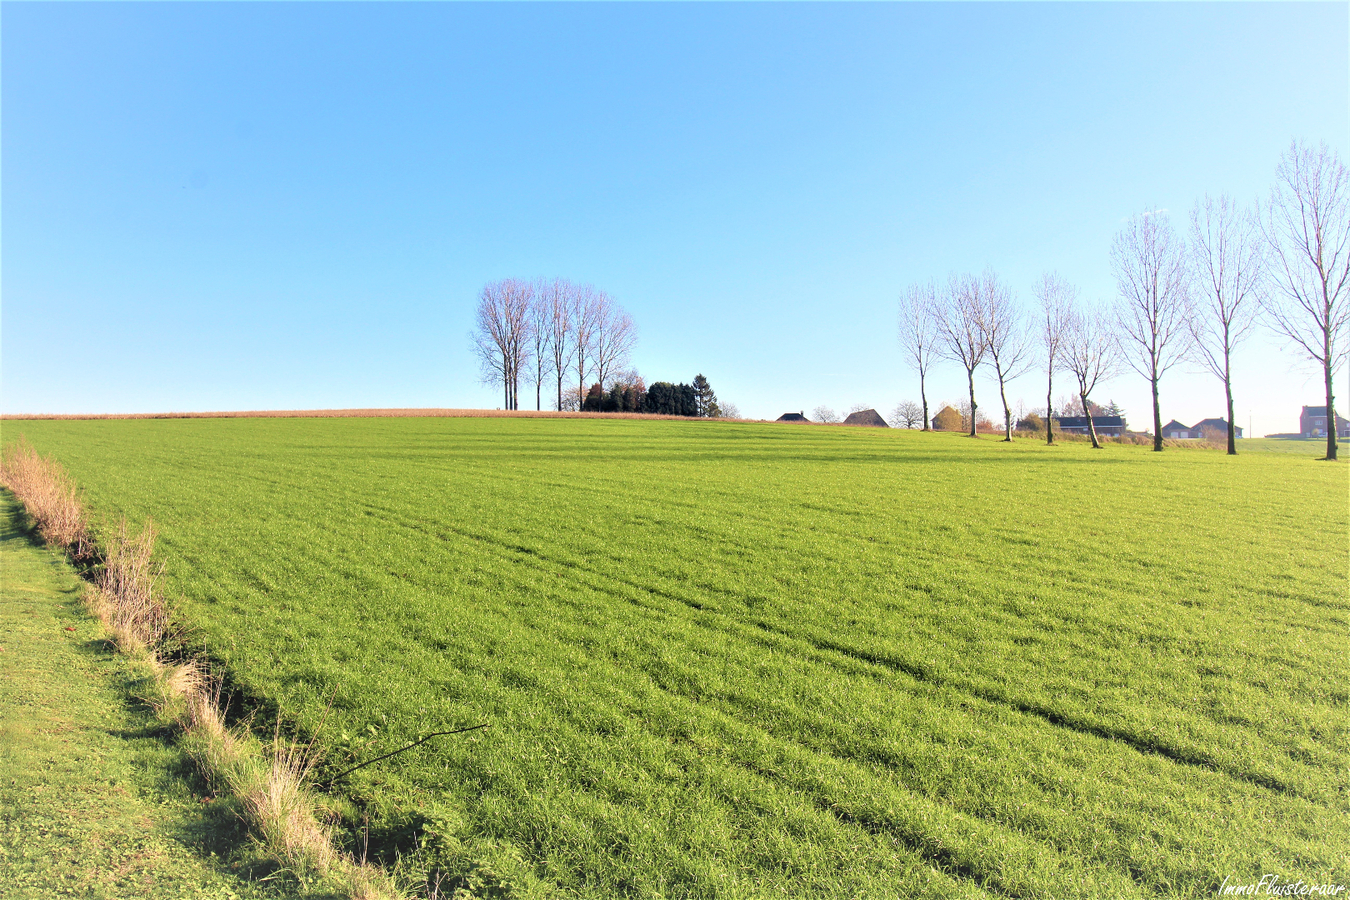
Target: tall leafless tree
(584,313)
(541,337)
(1228,264)
(918,306)
(960,337)
(502,336)
(613,336)
(553,298)
(1090,355)
(1307,226)
(1006,336)
(1149,262)
(1057,298)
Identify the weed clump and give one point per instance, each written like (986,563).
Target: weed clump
(50,497)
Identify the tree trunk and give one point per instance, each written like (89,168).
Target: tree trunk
(1228,390)
(923,395)
(1049,410)
(971,378)
(1331,401)
(1092,429)
(1157,415)
(1007,413)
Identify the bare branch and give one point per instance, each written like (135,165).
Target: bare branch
(1307,229)
(960,337)
(918,327)
(1090,353)
(1006,336)
(1149,263)
(1228,266)
(1057,298)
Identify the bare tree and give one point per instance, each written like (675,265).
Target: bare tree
(918,306)
(1149,263)
(960,337)
(1058,299)
(1007,338)
(541,336)
(502,336)
(613,336)
(1228,264)
(730,410)
(584,313)
(909,413)
(1091,356)
(555,296)
(1307,227)
(824,414)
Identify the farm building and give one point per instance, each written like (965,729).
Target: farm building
(1175,429)
(948,419)
(1106,426)
(1214,425)
(868,417)
(793,417)
(1312,422)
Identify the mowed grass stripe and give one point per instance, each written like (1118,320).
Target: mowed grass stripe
(807,561)
(1184,749)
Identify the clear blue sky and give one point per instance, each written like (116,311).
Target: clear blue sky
(256,205)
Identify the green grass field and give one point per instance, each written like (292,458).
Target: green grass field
(732,660)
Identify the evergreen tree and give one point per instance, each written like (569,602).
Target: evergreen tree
(705,399)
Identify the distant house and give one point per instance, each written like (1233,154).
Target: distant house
(793,417)
(1312,422)
(1177,431)
(948,419)
(1105,426)
(869,417)
(1213,425)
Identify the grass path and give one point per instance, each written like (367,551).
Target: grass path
(93,802)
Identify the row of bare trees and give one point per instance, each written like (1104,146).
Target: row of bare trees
(548,330)
(1285,263)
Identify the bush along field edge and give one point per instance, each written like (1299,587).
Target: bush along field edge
(267,777)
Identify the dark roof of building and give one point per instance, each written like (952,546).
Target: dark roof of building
(1320,411)
(793,417)
(1097,421)
(868,417)
(1177,425)
(1220,424)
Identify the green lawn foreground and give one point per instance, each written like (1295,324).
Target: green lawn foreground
(735,660)
(93,802)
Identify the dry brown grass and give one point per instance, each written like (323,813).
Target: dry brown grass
(50,497)
(135,610)
(278,803)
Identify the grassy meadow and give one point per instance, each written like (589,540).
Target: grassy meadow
(735,660)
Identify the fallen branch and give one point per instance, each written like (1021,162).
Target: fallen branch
(330,782)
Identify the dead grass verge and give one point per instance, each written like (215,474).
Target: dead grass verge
(270,782)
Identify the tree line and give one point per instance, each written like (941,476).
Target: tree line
(548,330)
(1283,264)
(552,331)
(628,393)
